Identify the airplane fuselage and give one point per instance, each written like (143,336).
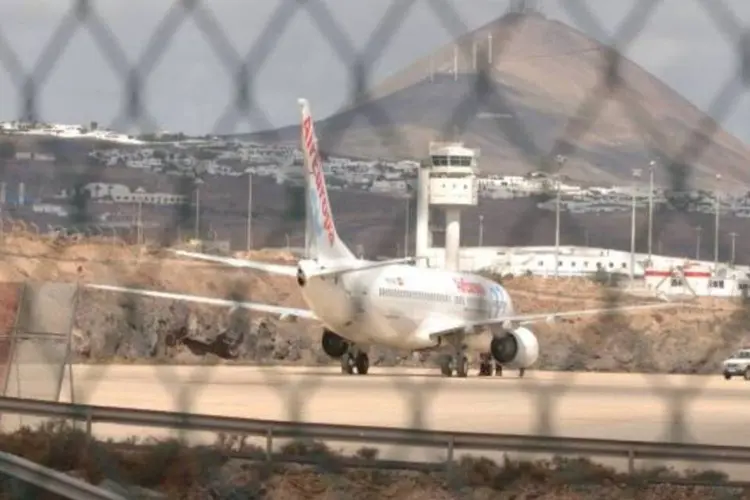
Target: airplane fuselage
(387,305)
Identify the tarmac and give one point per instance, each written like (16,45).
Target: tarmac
(704,409)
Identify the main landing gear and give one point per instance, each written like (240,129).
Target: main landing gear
(489,367)
(355,360)
(458,364)
(352,358)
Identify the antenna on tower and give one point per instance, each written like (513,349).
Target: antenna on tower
(524,7)
(455,62)
(474,55)
(489,49)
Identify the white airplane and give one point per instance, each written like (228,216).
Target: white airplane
(390,303)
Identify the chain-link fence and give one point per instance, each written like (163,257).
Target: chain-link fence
(531,92)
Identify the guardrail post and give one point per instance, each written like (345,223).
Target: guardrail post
(449,460)
(631,461)
(89,421)
(269,444)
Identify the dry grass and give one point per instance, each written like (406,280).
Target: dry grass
(207,472)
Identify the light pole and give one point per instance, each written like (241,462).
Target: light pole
(734,237)
(198,183)
(481,230)
(716,225)
(698,230)
(406,227)
(560,159)
(140,222)
(250,212)
(652,166)
(636,175)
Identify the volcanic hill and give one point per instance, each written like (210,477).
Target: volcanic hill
(526,89)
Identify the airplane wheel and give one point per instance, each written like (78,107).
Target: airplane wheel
(445,366)
(521,372)
(498,370)
(485,369)
(347,364)
(362,364)
(462,366)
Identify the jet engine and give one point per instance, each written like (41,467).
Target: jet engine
(334,345)
(518,348)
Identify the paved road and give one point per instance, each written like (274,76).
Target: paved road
(621,406)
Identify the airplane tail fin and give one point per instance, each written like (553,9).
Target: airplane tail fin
(325,242)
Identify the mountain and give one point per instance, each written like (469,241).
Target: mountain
(536,88)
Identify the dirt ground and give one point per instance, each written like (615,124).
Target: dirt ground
(111,326)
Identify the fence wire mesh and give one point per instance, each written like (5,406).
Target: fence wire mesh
(123,241)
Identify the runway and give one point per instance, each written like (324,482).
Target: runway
(704,409)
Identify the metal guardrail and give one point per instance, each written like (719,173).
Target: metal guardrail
(51,480)
(451,441)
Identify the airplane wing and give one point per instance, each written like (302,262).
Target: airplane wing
(282,312)
(526,319)
(443,326)
(249,264)
(291,270)
(436,325)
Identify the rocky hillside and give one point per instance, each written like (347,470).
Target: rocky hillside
(535,88)
(111,326)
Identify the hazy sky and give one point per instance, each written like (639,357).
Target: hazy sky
(190,88)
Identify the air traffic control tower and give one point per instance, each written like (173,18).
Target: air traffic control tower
(448,181)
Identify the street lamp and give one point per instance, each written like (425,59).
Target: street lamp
(652,166)
(636,175)
(560,159)
(734,237)
(481,230)
(250,211)
(716,225)
(698,230)
(198,182)
(407,218)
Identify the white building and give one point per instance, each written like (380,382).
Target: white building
(119,193)
(572,261)
(697,280)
